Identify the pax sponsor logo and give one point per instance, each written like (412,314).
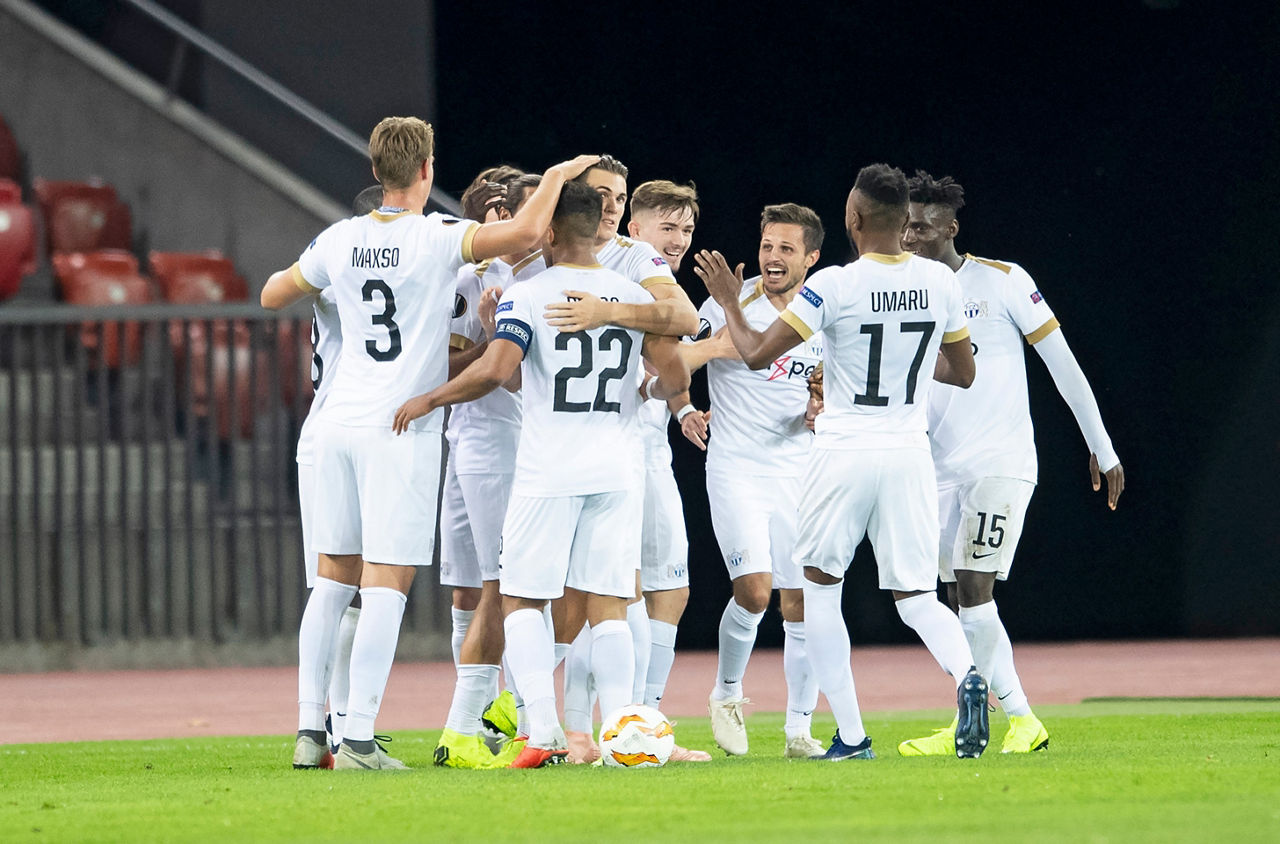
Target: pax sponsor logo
(790,367)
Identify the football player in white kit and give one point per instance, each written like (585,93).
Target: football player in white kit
(884,318)
(756,461)
(671,314)
(663,215)
(393,277)
(483,436)
(984,448)
(576,505)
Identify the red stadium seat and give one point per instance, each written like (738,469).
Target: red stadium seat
(232,357)
(17,245)
(194,277)
(82,216)
(104,278)
(10,154)
(10,191)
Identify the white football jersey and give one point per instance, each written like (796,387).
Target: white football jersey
(884,318)
(579,434)
(326,346)
(393,278)
(654,416)
(985,431)
(757,416)
(484,433)
(635,260)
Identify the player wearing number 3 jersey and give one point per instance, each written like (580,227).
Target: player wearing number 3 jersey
(392,273)
(884,318)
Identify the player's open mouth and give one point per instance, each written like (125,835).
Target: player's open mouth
(775,273)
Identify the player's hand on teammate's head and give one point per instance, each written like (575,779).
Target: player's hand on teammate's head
(583,312)
(487,310)
(723,284)
(694,427)
(1115,480)
(575,167)
(414,408)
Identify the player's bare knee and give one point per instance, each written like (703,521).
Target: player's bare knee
(813,574)
(466,598)
(344,568)
(791,602)
(974,588)
(667,605)
(752,592)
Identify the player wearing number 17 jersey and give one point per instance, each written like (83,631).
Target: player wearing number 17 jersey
(392,274)
(576,503)
(884,318)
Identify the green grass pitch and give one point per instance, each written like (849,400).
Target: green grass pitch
(1115,770)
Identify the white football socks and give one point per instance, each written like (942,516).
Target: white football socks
(827,646)
(577,684)
(642,643)
(613,664)
(802,681)
(470,696)
(317,637)
(461,621)
(939,629)
(993,654)
(530,655)
(340,677)
(661,657)
(372,652)
(737,638)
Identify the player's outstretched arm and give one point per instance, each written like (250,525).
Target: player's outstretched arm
(284,288)
(1074,388)
(663,354)
(717,346)
(955,363)
(670,314)
(500,360)
(757,348)
(526,228)
(460,359)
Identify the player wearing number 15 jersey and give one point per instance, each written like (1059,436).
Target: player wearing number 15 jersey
(392,274)
(884,318)
(984,449)
(576,503)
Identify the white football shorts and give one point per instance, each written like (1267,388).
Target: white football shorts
(586,542)
(379,493)
(471,527)
(888,494)
(664,545)
(306,500)
(754,518)
(981,524)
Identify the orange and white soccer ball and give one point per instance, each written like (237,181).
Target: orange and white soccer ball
(636,736)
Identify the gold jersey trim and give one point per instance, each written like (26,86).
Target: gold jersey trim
(881,258)
(955,336)
(796,323)
(468,257)
(581,266)
(457,341)
(755,294)
(1004,268)
(482,266)
(655,280)
(535,255)
(303,285)
(386,218)
(1043,331)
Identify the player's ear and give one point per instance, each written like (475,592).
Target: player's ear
(632,228)
(953,229)
(812,258)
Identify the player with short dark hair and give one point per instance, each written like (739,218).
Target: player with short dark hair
(884,317)
(984,448)
(576,505)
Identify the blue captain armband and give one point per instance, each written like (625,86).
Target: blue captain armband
(516,331)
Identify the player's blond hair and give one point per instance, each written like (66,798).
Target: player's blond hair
(663,197)
(397,148)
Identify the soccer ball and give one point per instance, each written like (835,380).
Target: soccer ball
(636,736)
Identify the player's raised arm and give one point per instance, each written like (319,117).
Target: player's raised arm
(1074,388)
(671,313)
(757,348)
(526,228)
(284,288)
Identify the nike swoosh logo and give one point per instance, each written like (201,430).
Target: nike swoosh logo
(978,556)
(1003,696)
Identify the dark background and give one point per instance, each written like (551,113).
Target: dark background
(1129,159)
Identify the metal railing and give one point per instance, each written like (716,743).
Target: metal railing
(188,35)
(148,489)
